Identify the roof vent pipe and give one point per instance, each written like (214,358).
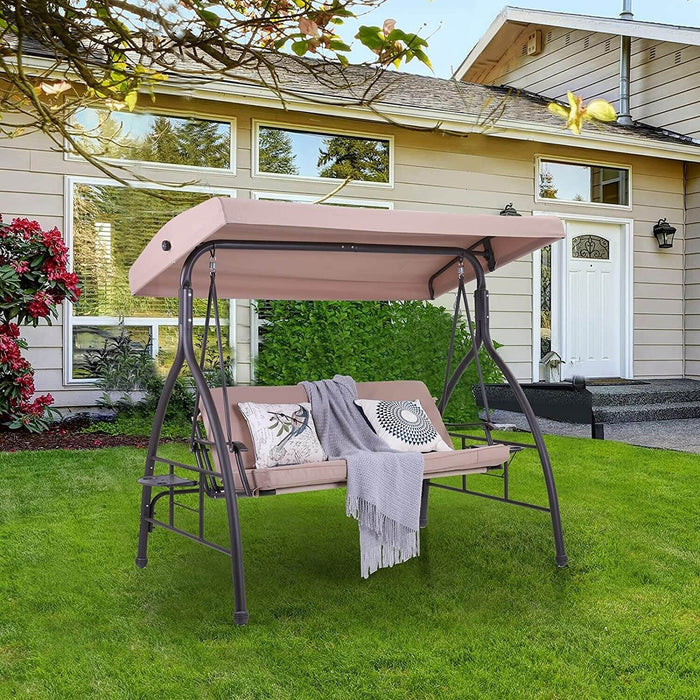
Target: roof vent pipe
(624,116)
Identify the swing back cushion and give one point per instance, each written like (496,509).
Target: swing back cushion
(333,473)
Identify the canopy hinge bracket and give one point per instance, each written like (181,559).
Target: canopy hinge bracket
(486,252)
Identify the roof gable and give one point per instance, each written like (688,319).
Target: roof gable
(511,21)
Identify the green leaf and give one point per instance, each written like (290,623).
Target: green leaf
(338,45)
(371,37)
(211,18)
(300,47)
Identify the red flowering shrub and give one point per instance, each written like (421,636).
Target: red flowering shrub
(33,280)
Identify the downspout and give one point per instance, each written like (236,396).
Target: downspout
(624,116)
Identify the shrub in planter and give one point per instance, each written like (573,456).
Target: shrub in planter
(33,281)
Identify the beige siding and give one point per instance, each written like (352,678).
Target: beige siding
(664,77)
(692,290)
(243,349)
(478,174)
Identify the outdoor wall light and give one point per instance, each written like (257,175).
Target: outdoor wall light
(509,210)
(664,232)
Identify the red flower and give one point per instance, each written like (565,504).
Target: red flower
(11,329)
(38,307)
(24,243)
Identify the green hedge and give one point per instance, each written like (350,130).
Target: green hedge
(370,341)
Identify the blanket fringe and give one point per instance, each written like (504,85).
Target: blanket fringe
(383,541)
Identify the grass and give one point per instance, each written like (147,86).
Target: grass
(483,613)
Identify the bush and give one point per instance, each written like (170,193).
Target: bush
(370,341)
(124,366)
(33,281)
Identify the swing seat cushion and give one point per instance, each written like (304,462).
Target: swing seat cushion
(333,473)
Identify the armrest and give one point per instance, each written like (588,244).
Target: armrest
(236,446)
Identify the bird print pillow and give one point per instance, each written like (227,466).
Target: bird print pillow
(403,425)
(282,433)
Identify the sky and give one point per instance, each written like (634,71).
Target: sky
(456,25)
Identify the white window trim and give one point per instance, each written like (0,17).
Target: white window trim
(558,261)
(319,131)
(68,316)
(539,157)
(182,114)
(352,201)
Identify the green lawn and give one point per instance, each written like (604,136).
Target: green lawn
(483,613)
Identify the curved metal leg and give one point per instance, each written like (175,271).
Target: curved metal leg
(240,616)
(482,336)
(561,557)
(158,419)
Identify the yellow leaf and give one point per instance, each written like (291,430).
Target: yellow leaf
(573,101)
(601,110)
(130,100)
(557,109)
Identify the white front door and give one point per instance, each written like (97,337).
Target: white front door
(592,312)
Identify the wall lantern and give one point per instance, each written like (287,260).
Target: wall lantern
(664,232)
(509,210)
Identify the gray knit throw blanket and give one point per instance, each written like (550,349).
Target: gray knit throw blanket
(384,486)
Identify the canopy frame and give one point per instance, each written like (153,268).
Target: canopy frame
(207,485)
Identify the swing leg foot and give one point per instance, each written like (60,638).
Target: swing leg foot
(240,617)
(562,560)
(141,562)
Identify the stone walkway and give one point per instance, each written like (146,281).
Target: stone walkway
(682,435)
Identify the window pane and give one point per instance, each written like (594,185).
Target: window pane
(583,183)
(90,341)
(111,226)
(306,154)
(591,247)
(155,138)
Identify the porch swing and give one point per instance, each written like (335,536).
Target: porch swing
(229,248)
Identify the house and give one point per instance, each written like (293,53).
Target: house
(609,300)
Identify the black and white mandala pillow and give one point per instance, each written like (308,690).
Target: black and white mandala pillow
(403,425)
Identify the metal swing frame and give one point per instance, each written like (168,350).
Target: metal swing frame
(207,482)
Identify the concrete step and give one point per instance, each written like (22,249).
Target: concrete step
(645,397)
(647,412)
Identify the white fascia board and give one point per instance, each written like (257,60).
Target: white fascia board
(480,45)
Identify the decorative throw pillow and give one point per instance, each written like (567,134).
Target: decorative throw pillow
(403,425)
(282,433)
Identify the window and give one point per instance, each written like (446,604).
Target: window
(590,247)
(109,225)
(152,138)
(576,182)
(297,153)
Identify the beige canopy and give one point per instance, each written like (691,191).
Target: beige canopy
(378,273)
